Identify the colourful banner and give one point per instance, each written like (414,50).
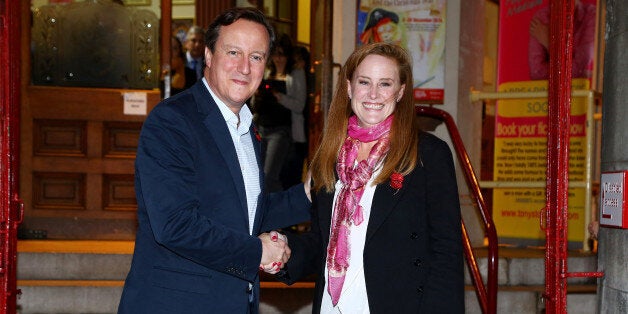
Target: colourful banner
(521,125)
(524,40)
(520,156)
(418,26)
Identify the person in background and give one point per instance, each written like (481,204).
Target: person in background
(292,172)
(195,48)
(584,19)
(386,233)
(181,77)
(280,100)
(199,186)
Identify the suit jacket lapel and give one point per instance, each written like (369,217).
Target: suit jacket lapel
(257,146)
(324,207)
(217,126)
(384,202)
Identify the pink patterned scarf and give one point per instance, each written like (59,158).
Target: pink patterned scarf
(348,210)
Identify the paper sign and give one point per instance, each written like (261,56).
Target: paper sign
(135,103)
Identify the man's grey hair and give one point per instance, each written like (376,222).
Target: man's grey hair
(195,30)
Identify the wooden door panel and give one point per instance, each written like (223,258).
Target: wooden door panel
(77,163)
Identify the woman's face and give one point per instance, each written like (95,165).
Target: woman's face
(375,89)
(279,58)
(175,54)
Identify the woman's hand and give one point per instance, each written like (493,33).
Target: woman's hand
(274,267)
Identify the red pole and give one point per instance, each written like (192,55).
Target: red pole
(559,100)
(10,204)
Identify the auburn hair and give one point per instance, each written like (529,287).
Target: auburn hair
(404,133)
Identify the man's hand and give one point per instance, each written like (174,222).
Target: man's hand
(275,252)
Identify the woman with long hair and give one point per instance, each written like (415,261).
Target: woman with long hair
(386,232)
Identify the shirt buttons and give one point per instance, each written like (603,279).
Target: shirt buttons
(414,236)
(417,262)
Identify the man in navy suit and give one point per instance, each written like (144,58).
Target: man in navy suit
(199,182)
(195,46)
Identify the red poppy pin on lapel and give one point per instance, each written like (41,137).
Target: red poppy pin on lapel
(257,136)
(396,181)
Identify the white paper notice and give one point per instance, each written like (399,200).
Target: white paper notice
(135,103)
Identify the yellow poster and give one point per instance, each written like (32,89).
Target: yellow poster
(521,156)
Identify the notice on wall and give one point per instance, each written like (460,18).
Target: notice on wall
(418,26)
(521,156)
(135,103)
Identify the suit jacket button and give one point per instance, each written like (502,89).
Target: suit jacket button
(417,262)
(414,236)
(419,289)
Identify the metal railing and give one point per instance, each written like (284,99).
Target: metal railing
(487,295)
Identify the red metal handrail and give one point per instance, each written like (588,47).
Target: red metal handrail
(487,296)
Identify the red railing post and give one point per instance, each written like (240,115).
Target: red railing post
(10,205)
(559,110)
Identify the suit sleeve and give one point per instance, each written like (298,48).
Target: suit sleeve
(286,208)
(444,290)
(307,251)
(167,176)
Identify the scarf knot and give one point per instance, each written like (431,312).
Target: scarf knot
(347,210)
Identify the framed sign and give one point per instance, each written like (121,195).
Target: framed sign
(418,26)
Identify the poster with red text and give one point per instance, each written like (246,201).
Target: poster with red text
(418,26)
(521,124)
(520,156)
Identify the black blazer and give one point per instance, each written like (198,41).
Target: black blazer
(413,259)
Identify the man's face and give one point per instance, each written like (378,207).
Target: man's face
(236,67)
(195,45)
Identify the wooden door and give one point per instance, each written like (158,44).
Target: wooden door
(77,163)
(77,144)
(322,65)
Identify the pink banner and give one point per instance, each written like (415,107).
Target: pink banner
(524,40)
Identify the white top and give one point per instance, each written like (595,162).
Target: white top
(353,298)
(244,149)
(294,99)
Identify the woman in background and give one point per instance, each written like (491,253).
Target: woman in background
(181,77)
(292,172)
(281,97)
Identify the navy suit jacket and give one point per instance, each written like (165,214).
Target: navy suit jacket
(413,259)
(193,252)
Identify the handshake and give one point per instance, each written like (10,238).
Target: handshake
(275,252)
